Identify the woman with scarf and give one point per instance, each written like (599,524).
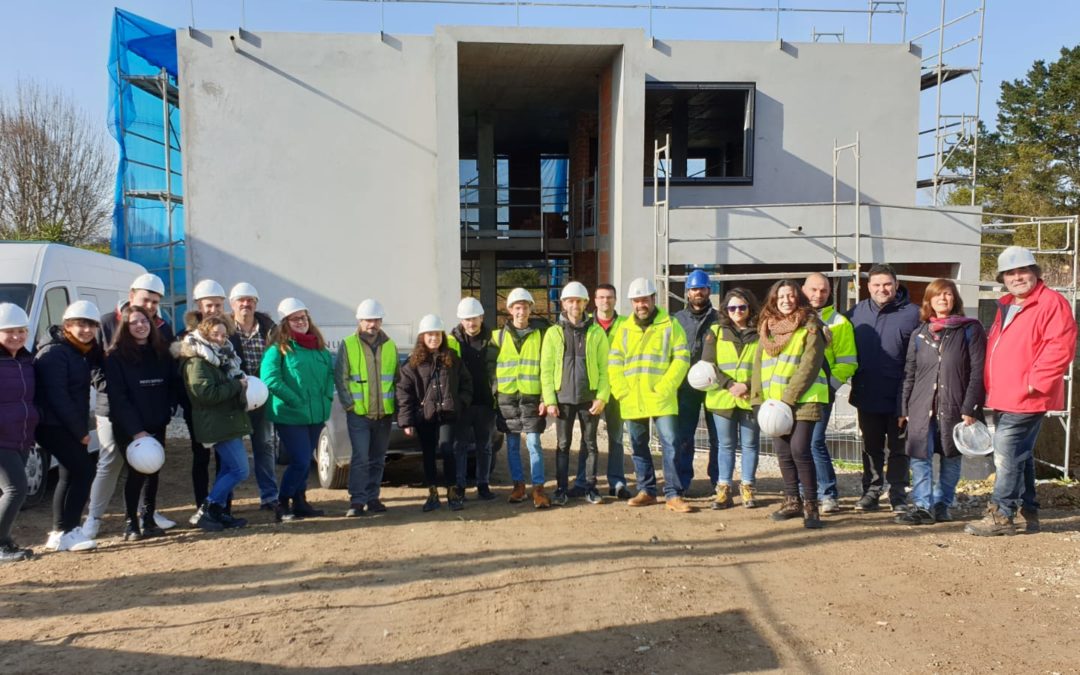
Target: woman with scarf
(65,366)
(788,368)
(943,386)
(18,421)
(217,390)
(299,372)
(141,379)
(731,346)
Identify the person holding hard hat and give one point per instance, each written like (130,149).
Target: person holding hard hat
(470,339)
(647,363)
(1031,348)
(788,369)
(64,366)
(574,386)
(216,389)
(142,384)
(365,374)
(254,331)
(433,390)
(18,422)
(514,357)
(943,387)
(731,350)
(299,372)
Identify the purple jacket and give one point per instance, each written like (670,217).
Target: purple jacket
(18,415)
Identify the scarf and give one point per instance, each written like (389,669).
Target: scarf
(938,325)
(81,347)
(306,340)
(221,356)
(777,333)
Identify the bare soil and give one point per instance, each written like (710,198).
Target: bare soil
(501,588)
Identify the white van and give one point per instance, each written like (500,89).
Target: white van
(44,279)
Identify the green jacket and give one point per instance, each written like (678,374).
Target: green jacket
(301,384)
(218,404)
(596,362)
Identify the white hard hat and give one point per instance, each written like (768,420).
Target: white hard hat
(469,308)
(702,376)
(775,418)
(289,306)
(574,289)
(370,309)
(1015,257)
(243,290)
(149,282)
(641,288)
(208,288)
(83,309)
(430,324)
(519,295)
(973,440)
(256,393)
(12,316)
(146,455)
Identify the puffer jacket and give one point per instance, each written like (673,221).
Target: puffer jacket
(301,384)
(431,392)
(517,413)
(881,340)
(18,413)
(218,404)
(63,383)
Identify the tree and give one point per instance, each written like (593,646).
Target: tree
(55,174)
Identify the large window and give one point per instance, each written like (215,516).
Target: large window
(711,127)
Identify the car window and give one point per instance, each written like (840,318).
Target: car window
(52,311)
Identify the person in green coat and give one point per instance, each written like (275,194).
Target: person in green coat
(299,373)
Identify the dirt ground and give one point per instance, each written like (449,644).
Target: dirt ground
(501,588)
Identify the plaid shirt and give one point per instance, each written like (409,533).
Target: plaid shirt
(251,349)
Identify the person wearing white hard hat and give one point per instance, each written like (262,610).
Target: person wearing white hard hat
(649,359)
(299,372)
(943,387)
(514,357)
(788,368)
(433,389)
(142,384)
(18,422)
(65,367)
(574,386)
(146,291)
(471,340)
(1031,347)
(249,340)
(365,375)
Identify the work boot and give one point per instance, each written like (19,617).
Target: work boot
(723,497)
(303,509)
(225,518)
(791,508)
(942,514)
(642,498)
(208,520)
(620,491)
(811,517)
(455,497)
(749,497)
(993,524)
(517,495)
(432,501)
(483,491)
(131,530)
(868,502)
(150,527)
(677,504)
(1031,520)
(376,506)
(915,516)
(540,500)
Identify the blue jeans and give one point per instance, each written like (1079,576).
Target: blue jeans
(616,474)
(643,463)
(924,493)
(369,439)
(536,457)
(691,403)
(263,453)
(823,466)
(740,430)
(299,440)
(232,471)
(1014,461)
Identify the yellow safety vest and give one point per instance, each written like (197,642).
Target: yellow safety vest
(359,386)
(736,365)
(776,372)
(517,372)
(646,367)
(840,353)
(596,362)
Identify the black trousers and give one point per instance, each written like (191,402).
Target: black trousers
(797,461)
(77,469)
(13,489)
(564,430)
(437,440)
(200,465)
(879,429)
(134,484)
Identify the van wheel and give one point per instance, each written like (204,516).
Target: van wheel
(37,476)
(331,476)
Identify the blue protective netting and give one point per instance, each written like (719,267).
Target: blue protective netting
(141,229)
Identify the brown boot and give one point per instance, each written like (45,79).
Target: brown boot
(993,524)
(642,498)
(540,500)
(811,517)
(791,508)
(517,495)
(677,505)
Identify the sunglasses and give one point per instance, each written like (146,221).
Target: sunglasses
(738,308)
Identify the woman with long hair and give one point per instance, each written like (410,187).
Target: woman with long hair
(943,387)
(731,347)
(141,381)
(788,368)
(433,390)
(18,422)
(299,372)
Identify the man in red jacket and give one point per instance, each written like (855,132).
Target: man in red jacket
(1030,349)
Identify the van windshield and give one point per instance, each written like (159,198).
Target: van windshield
(18,294)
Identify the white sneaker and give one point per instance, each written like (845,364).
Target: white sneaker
(163,522)
(53,542)
(91,526)
(76,541)
(194,519)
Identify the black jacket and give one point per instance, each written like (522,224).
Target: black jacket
(431,392)
(881,338)
(63,378)
(142,392)
(110,321)
(475,359)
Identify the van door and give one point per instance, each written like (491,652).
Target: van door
(53,303)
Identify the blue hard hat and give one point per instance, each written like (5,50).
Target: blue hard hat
(697,279)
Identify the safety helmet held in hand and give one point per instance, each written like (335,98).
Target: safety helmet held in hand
(775,418)
(702,376)
(146,455)
(256,392)
(973,440)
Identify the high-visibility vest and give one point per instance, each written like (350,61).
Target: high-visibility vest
(596,362)
(517,372)
(647,365)
(359,386)
(734,364)
(453,344)
(776,372)
(840,353)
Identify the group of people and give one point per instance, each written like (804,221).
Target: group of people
(916,372)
